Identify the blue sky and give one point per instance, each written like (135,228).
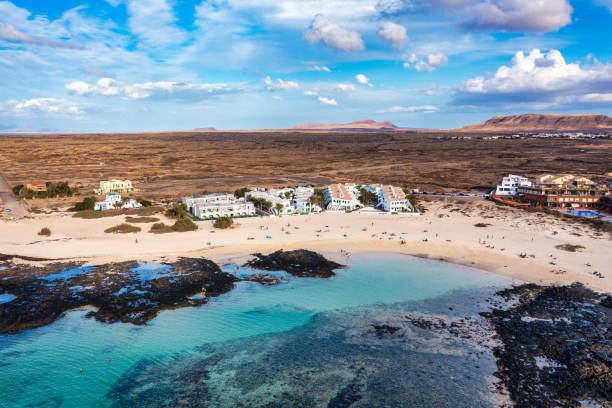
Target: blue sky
(154,65)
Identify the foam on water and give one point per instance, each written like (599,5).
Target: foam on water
(41,366)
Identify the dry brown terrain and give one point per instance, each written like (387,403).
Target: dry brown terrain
(172,164)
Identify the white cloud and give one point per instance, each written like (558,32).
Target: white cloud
(327,30)
(178,90)
(597,97)
(500,15)
(393,33)
(311,92)
(414,108)
(154,22)
(431,90)
(280,85)
(45,106)
(318,68)
(540,77)
(114,3)
(362,79)
(429,63)
(520,15)
(345,87)
(327,101)
(10,33)
(276,98)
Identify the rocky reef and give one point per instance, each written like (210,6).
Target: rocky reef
(556,346)
(300,262)
(131,291)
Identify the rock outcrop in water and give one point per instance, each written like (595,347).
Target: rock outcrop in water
(300,262)
(128,291)
(557,346)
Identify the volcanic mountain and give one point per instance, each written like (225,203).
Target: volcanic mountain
(367,125)
(542,123)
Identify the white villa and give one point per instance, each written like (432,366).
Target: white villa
(301,200)
(342,197)
(114,186)
(217,205)
(111,201)
(509,185)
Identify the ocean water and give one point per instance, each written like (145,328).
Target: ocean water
(305,342)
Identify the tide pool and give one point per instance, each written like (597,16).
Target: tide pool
(41,367)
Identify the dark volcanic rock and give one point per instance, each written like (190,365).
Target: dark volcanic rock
(123,291)
(384,329)
(300,262)
(264,279)
(557,346)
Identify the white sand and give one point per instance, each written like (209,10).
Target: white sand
(511,233)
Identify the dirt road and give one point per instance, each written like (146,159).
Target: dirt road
(9,201)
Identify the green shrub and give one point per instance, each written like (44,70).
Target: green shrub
(135,220)
(482,225)
(160,228)
(223,222)
(17,189)
(570,247)
(122,229)
(45,231)
(184,225)
(88,203)
(241,192)
(145,203)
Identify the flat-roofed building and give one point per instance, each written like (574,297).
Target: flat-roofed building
(275,197)
(115,186)
(217,205)
(563,191)
(509,185)
(342,197)
(36,186)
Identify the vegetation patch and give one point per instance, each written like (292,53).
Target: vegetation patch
(138,220)
(122,229)
(181,225)
(88,203)
(482,225)
(143,212)
(52,190)
(45,232)
(570,247)
(223,223)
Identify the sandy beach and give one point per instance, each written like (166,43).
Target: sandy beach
(446,231)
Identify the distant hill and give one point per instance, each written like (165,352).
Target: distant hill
(358,125)
(205,129)
(541,123)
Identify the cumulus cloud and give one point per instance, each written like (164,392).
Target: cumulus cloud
(327,101)
(327,30)
(393,33)
(10,33)
(280,85)
(606,3)
(414,108)
(597,97)
(178,90)
(539,77)
(362,79)
(429,63)
(45,106)
(502,15)
(345,87)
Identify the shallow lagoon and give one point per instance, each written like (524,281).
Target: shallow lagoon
(246,347)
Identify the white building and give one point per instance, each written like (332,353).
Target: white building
(217,205)
(301,200)
(509,185)
(111,201)
(342,197)
(393,199)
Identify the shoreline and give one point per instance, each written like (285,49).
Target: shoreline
(445,232)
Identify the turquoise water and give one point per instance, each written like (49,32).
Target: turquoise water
(585,213)
(41,367)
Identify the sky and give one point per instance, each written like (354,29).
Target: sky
(159,65)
